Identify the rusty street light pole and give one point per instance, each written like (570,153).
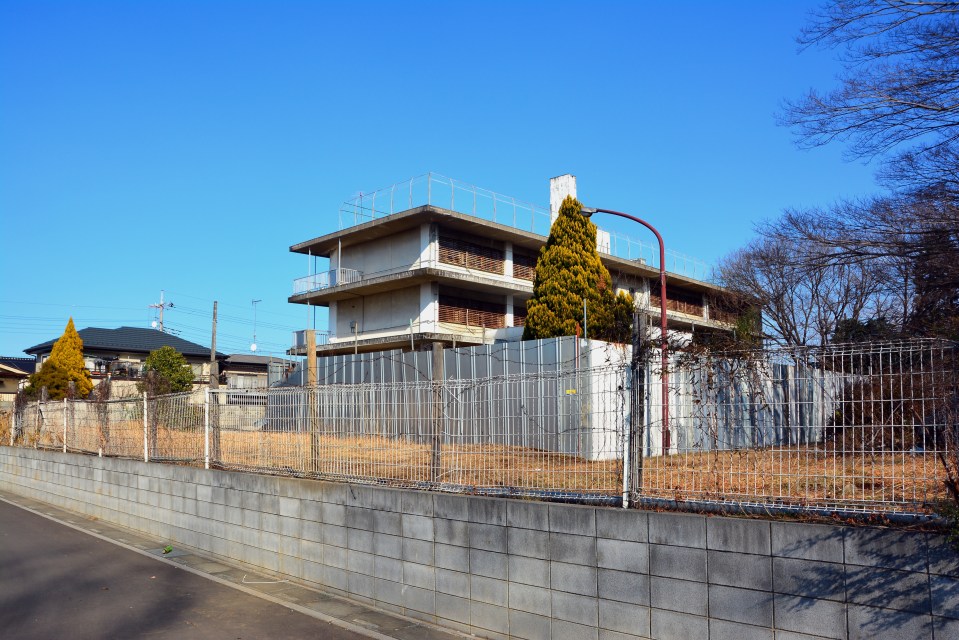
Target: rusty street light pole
(589,211)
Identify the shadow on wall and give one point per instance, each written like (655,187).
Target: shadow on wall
(892,580)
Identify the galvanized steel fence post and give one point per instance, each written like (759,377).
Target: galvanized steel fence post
(436,444)
(146,451)
(206,430)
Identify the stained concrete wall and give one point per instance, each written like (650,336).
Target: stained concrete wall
(505,568)
(377,311)
(398,251)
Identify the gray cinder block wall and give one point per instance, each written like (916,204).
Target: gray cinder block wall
(523,569)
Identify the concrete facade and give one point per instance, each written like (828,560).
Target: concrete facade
(521,569)
(388,279)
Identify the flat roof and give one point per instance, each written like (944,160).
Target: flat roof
(325,245)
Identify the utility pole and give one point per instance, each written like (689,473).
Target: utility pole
(214,369)
(161,306)
(253,346)
(214,397)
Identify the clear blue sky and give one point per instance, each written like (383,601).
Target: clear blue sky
(186,145)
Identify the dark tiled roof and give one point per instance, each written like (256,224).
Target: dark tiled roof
(130,340)
(27,365)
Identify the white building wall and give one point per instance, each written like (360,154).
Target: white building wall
(397,252)
(388,310)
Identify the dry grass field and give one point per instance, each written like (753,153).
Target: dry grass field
(800,476)
(6,419)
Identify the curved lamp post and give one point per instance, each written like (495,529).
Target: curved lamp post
(589,211)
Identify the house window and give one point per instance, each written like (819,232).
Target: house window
(524,266)
(679,300)
(463,253)
(474,313)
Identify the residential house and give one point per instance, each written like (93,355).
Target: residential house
(13,375)
(120,353)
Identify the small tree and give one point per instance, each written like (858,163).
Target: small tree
(166,371)
(65,365)
(569,271)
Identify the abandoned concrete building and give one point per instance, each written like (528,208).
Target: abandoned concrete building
(456,265)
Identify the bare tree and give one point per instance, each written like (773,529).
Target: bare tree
(802,301)
(908,241)
(899,93)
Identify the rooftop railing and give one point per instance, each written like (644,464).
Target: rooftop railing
(454,195)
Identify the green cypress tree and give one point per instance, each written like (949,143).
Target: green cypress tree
(64,365)
(568,271)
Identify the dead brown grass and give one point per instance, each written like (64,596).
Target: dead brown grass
(799,476)
(6,422)
(807,476)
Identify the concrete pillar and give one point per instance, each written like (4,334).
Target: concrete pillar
(429,306)
(428,240)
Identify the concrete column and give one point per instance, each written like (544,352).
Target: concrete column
(508,259)
(428,253)
(429,306)
(509,311)
(641,298)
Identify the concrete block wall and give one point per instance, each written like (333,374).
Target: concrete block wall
(524,569)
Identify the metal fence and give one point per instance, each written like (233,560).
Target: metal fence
(869,427)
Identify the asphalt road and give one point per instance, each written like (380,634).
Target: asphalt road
(57,582)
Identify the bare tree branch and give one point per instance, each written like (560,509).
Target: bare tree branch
(899,96)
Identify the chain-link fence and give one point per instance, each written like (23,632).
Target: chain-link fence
(867,427)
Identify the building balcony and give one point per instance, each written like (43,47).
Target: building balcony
(322,288)
(325,280)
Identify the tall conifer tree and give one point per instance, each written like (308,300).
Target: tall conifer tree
(64,365)
(568,271)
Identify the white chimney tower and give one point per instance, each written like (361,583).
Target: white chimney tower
(559,188)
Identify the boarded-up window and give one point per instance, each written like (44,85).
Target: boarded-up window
(680,300)
(463,253)
(474,313)
(524,266)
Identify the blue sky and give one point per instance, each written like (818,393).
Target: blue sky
(184,146)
